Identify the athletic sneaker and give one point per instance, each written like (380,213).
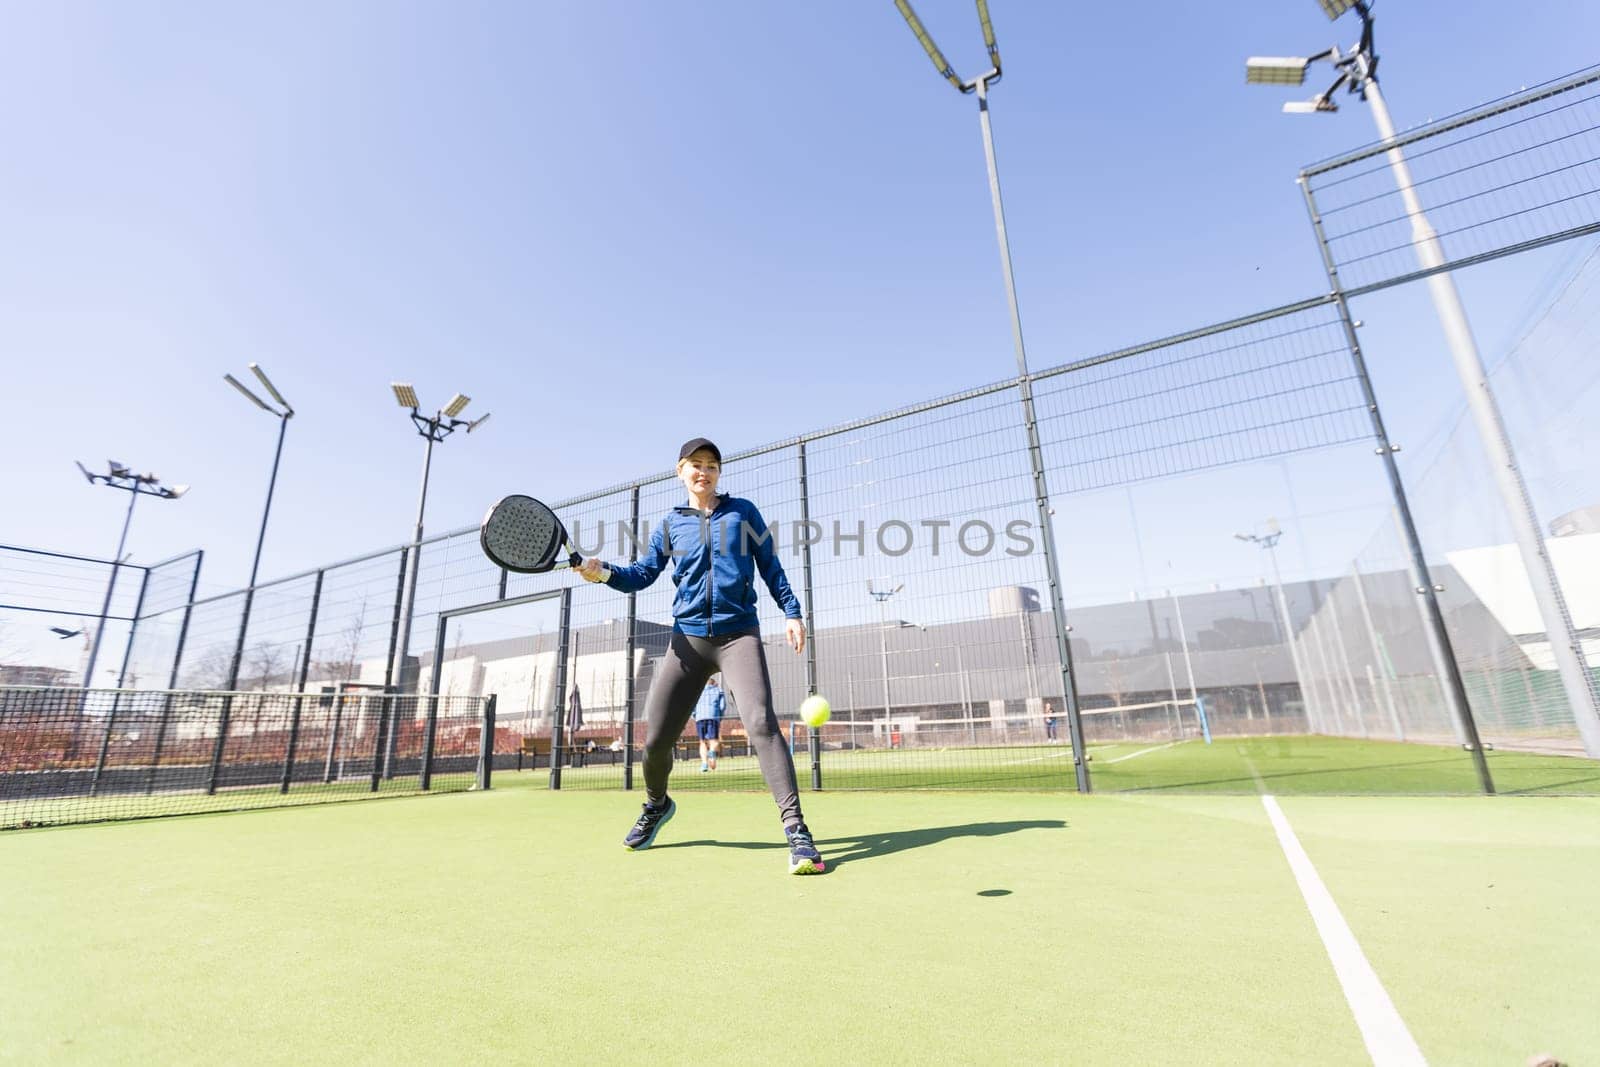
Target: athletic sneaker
(643,834)
(803,855)
(704,768)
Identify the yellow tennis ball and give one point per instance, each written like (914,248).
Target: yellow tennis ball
(815,711)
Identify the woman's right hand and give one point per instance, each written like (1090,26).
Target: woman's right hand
(590,569)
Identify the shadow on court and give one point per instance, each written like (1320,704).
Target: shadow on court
(839,850)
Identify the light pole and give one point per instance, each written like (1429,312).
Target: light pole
(283,418)
(1358,71)
(980,85)
(882,596)
(1270,543)
(433,429)
(118,476)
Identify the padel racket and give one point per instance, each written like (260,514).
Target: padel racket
(522,534)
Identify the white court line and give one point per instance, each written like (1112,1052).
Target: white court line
(1146,751)
(1388,1041)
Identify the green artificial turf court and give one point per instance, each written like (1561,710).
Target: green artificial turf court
(957,927)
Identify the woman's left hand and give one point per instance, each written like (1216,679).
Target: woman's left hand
(795,631)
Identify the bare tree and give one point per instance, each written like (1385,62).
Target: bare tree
(211,670)
(265,662)
(346,661)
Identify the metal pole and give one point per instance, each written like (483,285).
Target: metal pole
(633,627)
(811,620)
(391,680)
(1564,643)
(1339,645)
(1288,629)
(558,710)
(1314,627)
(486,743)
(172,678)
(1378,657)
(409,606)
(105,605)
(255,566)
(1183,642)
(133,631)
(1069,683)
(883,653)
(300,687)
(1172,687)
(1455,687)
(116,699)
(183,627)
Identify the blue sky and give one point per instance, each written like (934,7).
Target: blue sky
(617,225)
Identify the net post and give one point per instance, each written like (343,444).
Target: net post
(300,688)
(486,742)
(815,740)
(161,737)
(388,700)
(428,733)
(632,646)
(223,721)
(557,734)
(105,744)
(337,701)
(437,677)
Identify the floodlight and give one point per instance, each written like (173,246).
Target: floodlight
(1334,8)
(85,471)
(941,64)
(461,400)
(1310,107)
(256,400)
(255,368)
(988,34)
(475,423)
(118,470)
(1275,70)
(405,394)
(174,492)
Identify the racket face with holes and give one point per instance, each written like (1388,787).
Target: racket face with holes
(522,534)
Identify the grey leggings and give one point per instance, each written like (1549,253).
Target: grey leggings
(681,679)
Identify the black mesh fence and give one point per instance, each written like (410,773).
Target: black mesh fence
(70,755)
(1501,178)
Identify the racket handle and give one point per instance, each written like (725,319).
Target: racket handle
(575,561)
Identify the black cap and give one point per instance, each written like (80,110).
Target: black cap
(690,447)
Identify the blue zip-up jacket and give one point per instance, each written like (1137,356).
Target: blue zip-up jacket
(715,561)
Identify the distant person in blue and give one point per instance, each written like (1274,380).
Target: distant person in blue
(708,723)
(1050,722)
